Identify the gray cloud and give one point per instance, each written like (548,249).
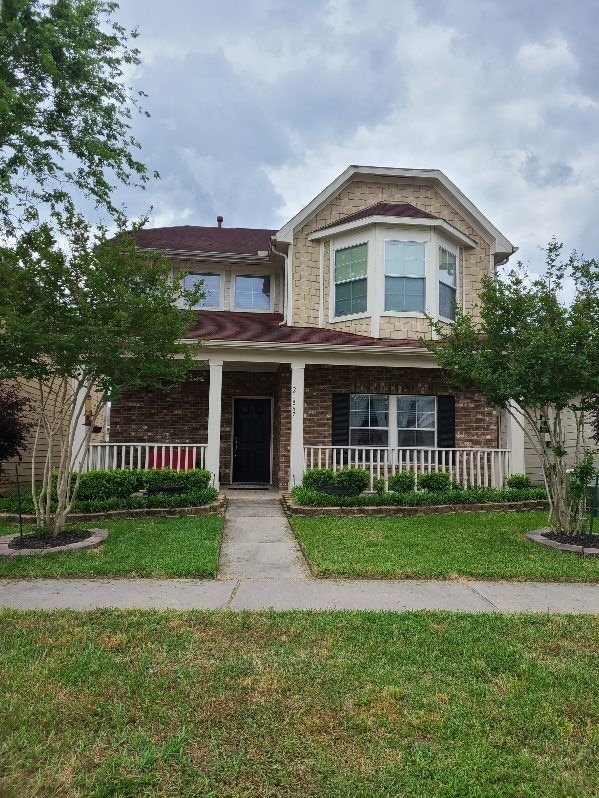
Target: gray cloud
(257,105)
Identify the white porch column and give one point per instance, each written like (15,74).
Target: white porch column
(296,469)
(515,439)
(214,411)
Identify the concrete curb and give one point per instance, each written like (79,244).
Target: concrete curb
(291,508)
(538,536)
(217,507)
(94,540)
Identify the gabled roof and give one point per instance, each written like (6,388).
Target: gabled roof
(191,238)
(229,326)
(401,209)
(501,247)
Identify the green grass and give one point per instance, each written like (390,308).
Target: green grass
(476,545)
(209,704)
(157,547)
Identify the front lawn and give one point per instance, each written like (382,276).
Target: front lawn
(475,545)
(150,704)
(151,547)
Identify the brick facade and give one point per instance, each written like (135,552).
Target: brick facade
(181,414)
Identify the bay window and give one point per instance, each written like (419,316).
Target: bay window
(351,281)
(447,283)
(405,276)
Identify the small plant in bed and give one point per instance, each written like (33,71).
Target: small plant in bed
(344,482)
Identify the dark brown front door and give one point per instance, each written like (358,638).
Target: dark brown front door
(251,440)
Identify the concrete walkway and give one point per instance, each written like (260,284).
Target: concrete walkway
(262,567)
(258,542)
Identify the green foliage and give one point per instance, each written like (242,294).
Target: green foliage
(316,477)
(519,481)
(533,351)
(103,485)
(65,111)
(313,498)
(379,486)
(192,480)
(354,480)
(580,476)
(14,426)
(402,482)
(435,482)
(191,498)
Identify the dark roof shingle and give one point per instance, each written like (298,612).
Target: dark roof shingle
(399,209)
(223,325)
(191,238)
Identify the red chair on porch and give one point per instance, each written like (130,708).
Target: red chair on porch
(161,458)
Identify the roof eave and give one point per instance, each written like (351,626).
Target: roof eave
(403,221)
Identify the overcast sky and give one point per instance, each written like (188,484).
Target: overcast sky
(257,104)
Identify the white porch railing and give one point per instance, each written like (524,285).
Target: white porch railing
(486,468)
(180,456)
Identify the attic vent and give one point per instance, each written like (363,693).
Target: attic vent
(219,220)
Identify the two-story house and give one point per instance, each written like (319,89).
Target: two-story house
(310,341)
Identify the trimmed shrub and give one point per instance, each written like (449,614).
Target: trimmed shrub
(379,486)
(314,478)
(402,482)
(103,485)
(192,481)
(435,481)
(312,498)
(354,480)
(519,481)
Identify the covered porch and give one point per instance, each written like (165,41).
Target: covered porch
(266,418)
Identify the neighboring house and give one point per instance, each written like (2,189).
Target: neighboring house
(311,353)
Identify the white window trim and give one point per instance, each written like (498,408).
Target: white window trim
(412,313)
(208,273)
(343,243)
(455,250)
(387,428)
(251,272)
(392,427)
(422,236)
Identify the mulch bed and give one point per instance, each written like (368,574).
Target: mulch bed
(586,540)
(41,541)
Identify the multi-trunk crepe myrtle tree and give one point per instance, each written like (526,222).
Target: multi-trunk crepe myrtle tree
(82,313)
(86,322)
(537,357)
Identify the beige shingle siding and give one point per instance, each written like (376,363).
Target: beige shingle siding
(357,195)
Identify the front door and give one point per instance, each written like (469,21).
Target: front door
(251,440)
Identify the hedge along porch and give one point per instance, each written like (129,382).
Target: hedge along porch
(264,414)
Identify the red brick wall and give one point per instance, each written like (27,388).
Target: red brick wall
(181,414)
(476,422)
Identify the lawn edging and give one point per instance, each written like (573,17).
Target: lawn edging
(98,536)
(292,508)
(538,536)
(217,507)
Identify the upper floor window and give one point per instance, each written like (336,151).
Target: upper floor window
(351,282)
(252,293)
(416,421)
(210,288)
(405,280)
(447,283)
(368,420)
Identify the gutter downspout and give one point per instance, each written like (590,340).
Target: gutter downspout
(286,286)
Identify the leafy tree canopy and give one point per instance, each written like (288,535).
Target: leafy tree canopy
(65,108)
(529,345)
(14,424)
